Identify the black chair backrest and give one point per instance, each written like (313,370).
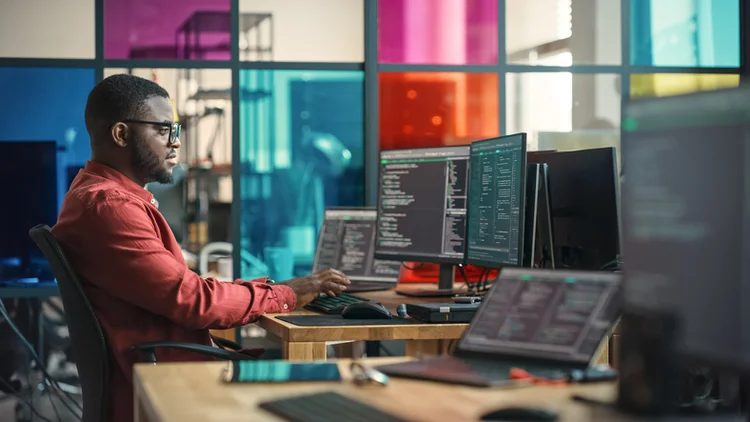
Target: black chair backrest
(89,345)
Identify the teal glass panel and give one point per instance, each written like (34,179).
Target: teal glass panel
(301,150)
(690,33)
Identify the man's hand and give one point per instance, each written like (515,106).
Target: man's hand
(311,286)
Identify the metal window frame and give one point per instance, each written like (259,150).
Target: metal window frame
(371,69)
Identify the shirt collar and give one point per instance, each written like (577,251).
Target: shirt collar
(109,173)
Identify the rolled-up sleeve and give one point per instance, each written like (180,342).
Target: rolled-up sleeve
(127,258)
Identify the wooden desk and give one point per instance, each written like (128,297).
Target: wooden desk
(305,343)
(188,392)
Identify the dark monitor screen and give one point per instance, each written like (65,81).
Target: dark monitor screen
(347,243)
(497,188)
(547,314)
(28,179)
(584,201)
(422,204)
(686,219)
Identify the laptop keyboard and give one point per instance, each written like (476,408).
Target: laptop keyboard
(334,305)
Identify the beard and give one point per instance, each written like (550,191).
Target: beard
(148,163)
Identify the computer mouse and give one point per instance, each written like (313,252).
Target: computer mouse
(520,414)
(366,310)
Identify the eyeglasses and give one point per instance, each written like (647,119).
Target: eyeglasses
(174,128)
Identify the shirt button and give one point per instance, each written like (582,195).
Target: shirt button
(286,306)
(153,201)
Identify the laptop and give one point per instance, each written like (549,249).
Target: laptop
(347,242)
(546,322)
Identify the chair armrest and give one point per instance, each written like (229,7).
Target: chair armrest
(227,344)
(148,350)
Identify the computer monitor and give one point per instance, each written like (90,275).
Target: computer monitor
(584,199)
(497,189)
(686,228)
(29,183)
(347,242)
(538,242)
(422,207)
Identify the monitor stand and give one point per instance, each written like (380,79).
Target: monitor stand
(445,285)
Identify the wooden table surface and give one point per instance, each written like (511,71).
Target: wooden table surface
(305,343)
(193,392)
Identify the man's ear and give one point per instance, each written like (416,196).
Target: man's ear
(120,134)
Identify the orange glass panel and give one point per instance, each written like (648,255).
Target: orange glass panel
(420,109)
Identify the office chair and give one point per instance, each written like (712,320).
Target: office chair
(87,337)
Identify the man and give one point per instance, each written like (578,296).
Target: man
(127,257)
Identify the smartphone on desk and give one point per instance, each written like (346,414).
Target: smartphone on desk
(280,371)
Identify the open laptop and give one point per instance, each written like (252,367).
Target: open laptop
(346,242)
(547,322)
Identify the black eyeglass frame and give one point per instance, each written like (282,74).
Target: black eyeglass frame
(175,128)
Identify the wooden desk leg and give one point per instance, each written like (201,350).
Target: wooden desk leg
(140,407)
(603,358)
(303,350)
(351,349)
(418,348)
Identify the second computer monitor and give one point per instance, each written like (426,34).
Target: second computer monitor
(497,189)
(422,204)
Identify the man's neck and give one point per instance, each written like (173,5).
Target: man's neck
(126,170)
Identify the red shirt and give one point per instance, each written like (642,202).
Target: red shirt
(137,281)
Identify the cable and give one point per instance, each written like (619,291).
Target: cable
(49,378)
(17,395)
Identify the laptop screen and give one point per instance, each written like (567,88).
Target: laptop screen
(347,242)
(558,315)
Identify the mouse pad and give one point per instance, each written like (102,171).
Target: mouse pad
(337,320)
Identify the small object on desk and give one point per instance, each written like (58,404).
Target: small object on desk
(326,407)
(366,310)
(401,310)
(601,373)
(467,299)
(520,414)
(441,313)
(278,371)
(427,292)
(366,375)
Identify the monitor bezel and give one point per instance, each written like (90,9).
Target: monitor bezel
(522,217)
(412,257)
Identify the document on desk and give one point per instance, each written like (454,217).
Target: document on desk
(279,371)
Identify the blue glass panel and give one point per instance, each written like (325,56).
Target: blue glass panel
(47,104)
(691,33)
(301,149)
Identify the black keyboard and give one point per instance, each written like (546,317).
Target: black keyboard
(326,407)
(334,305)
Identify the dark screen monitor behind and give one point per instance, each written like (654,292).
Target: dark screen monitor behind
(497,191)
(422,207)
(585,206)
(686,227)
(347,242)
(538,243)
(29,180)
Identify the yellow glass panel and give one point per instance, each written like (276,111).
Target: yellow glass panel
(668,84)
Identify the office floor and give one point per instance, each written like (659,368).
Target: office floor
(43,405)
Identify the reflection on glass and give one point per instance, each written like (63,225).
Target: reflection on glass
(42,29)
(563,32)
(302,30)
(562,102)
(437,31)
(167,29)
(668,84)
(423,109)
(697,33)
(302,150)
(44,109)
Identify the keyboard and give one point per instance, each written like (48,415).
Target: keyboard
(334,305)
(326,407)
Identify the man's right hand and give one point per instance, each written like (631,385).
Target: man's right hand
(311,286)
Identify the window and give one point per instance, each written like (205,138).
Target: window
(563,32)
(166,29)
(437,31)
(301,150)
(43,109)
(564,111)
(42,29)
(433,109)
(692,33)
(302,30)
(667,84)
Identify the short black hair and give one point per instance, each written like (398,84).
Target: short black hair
(117,98)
